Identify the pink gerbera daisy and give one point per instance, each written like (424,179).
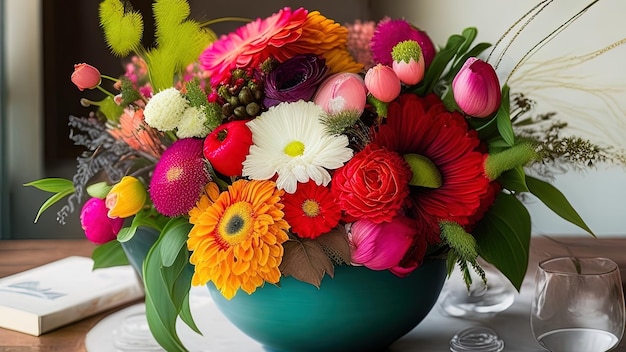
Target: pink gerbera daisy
(246,47)
(179,177)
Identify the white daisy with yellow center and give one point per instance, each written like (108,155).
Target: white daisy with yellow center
(290,140)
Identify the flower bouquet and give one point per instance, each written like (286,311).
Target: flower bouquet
(295,146)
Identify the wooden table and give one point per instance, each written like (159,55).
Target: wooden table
(19,255)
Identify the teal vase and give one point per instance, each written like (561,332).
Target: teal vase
(357,310)
(137,247)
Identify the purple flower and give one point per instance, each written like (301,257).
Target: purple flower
(294,79)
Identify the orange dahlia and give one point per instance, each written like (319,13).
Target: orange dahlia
(237,239)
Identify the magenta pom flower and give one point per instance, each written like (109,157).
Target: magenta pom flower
(98,227)
(389,32)
(179,177)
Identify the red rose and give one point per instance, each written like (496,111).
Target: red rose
(372,185)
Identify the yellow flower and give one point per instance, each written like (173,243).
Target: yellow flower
(126,198)
(237,239)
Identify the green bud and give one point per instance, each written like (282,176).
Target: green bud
(99,190)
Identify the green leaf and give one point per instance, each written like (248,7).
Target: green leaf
(52,185)
(175,238)
(126,233)
(556,201)
(514,180)
(503,237)
(53,199)
(161,312)
(503,119)
(439,64)
(109,254)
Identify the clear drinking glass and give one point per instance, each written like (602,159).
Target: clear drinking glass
(578,305)
(480,300)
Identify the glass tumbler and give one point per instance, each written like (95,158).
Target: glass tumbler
(578,305)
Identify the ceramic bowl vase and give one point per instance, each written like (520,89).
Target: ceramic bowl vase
(357,310)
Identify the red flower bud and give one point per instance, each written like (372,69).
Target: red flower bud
(86,76)
(476,88)
(227,147)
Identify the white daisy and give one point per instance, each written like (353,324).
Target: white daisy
(192,124)
(165,109)
(289,140)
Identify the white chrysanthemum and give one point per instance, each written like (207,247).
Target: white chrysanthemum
(165,109)
(289,140)
(192,124)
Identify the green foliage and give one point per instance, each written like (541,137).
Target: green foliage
(503,237)
(167,281)
(129,93)
(148,217)
(59,186)
(556,201)
(179,42)
(449,60)
(109,254)
(110,109)
(123,27)
(503,119)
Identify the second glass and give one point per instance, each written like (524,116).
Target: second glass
(578,305)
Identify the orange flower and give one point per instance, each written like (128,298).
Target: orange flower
(237,240)
(134,131)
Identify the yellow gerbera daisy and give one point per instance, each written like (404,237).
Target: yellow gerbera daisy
(237,240)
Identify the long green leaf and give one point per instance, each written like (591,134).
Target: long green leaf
(176,232)
(53,199)
(503,237)
(556,201)
(503,119)
(160,311)
(52,185)
(514,180)
(109,254)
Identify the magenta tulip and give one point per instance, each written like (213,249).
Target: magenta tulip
(476,88)
(342,92)
(381,246)
(98,227)
(383,83)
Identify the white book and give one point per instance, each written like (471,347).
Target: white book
(47,297)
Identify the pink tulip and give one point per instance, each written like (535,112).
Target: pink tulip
(408,62)
(98,227)
(476,88)
(383,83)
(342,92)
(381,246)
(86,76)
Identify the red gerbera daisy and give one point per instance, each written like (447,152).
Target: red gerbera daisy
(311,210)
(423,126)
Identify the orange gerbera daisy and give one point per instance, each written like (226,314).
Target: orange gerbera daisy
(237,240)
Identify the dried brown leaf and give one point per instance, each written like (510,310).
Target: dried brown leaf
(306,261)
(335,244)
